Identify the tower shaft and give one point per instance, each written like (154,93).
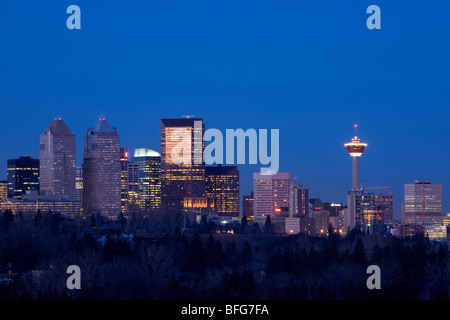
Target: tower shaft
(355,180)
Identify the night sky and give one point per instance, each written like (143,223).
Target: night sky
(308,68)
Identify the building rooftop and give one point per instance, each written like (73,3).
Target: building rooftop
(102,126)
(181,122)
(145,152)
(221,170)
(58,127)
(422,182)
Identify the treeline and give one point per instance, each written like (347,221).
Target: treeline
(172,265)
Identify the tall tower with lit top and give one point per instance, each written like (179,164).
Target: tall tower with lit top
(355,149)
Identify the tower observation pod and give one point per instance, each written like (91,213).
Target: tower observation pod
(355,149)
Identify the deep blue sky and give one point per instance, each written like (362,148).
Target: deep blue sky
(308,68)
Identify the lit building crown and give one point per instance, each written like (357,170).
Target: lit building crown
(355,148)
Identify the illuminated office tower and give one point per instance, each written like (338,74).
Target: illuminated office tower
(298,200)
(133,187)
(3,190)
(222,185)
(183,176)
(22,176)
(78,183)
(247,206)
(336,211)
(57,161)
(423,203)
(149,162)
(101,170)
(123,180)
(271,196)
(373,209)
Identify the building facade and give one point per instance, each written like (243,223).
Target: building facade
(123,180)
(22,176)
(29,208)
(3,190)
(222,185)
(271,195)
(133,204)
(149,162)
(182,173)
(57,161)
(247,206)
(79,184)
(422,203)
(370,209)
(298,200)
(101,170)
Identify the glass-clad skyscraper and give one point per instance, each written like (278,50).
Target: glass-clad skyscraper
(101,170)
(149,162)
(222,185)
(22,176)
(182,165)
(423,203)
(57,160)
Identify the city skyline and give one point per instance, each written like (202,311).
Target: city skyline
(311,70)
(398,198)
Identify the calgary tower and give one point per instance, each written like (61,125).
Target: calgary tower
(355,149)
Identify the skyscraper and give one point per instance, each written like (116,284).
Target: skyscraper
(101,170)
(79,184)
(133,187)
(298,200)
(423,203)
(149,162)
(373,209)
(271,196)
(247,206)
(57,160)
(123,180)
(22,176)
(182,138)
(222,185)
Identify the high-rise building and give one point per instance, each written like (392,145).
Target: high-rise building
(78,184)
(222,185)
(101,170)
(271,197)
(423,203)
(182,164)
(320,215)
(298,200)
(123,180)
(3,190)
(370,209)
(22,175)
(336,211)
(133,187)
(247,206)
(57,161)
(149,162)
